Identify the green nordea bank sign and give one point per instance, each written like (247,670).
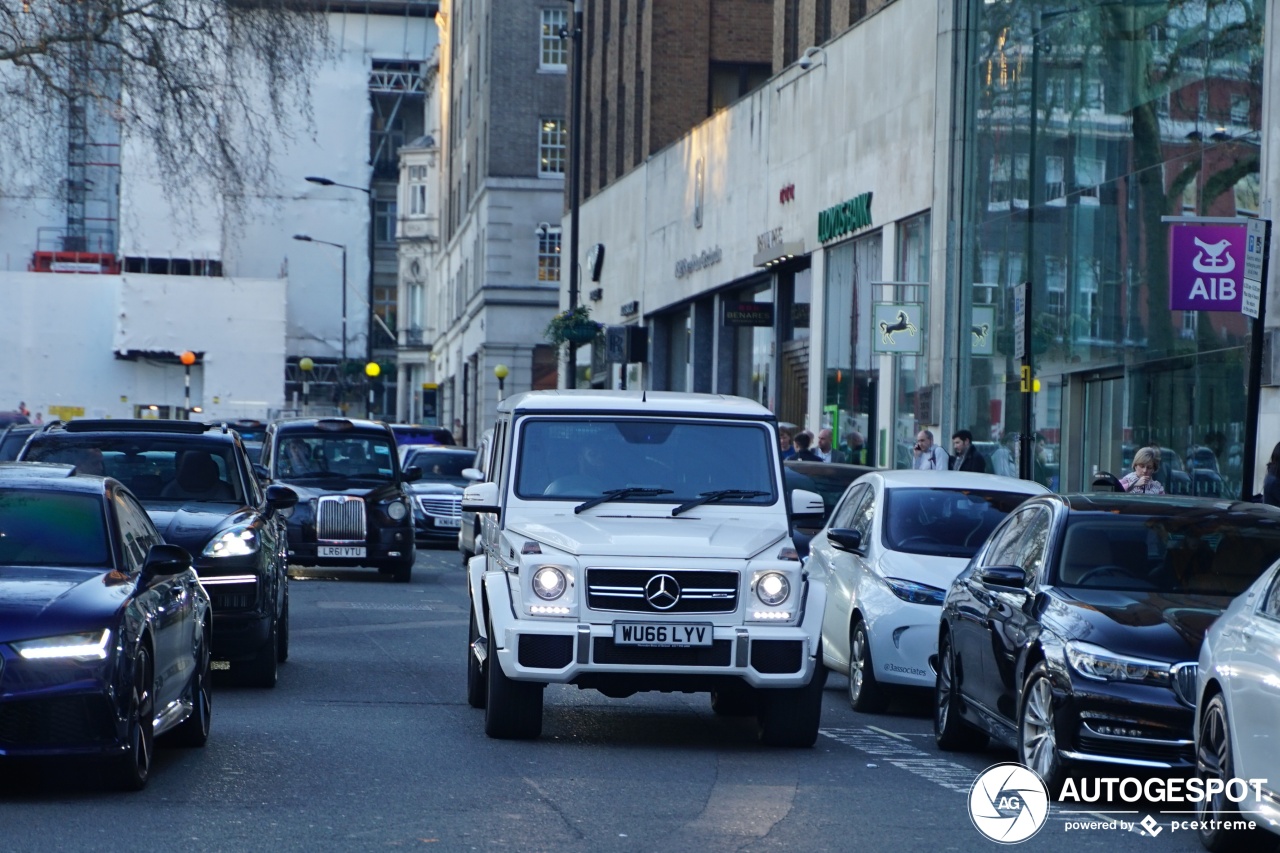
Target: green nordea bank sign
(844,217)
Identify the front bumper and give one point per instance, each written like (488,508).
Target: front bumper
(903,637)
(581,652)
(1135,725)
(59,708)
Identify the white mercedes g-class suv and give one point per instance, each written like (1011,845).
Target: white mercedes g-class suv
(640,540)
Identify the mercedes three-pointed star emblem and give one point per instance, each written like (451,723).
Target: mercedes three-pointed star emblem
(662,592)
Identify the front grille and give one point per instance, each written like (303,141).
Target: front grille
(623,590)
(449,507)
(1135,748)
(720,653)
(340,518)
(541,651)
(776,656)
(231,601)
(67,721)
(1183,682)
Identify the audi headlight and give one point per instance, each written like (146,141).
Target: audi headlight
(236,542)
(549,583)
(1103,665)
(916,593)
(396,510)
(772,588)
(88,645)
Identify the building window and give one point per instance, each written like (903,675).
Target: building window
(1239,109)
(1001,167)
(384,222)
(1090,174)
(417,190)
(1055,182)
(549,255)
(551,148)
(554,52)
(1055,280)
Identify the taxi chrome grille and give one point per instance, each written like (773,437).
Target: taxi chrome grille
(340,518)
(699,591)
(445,507)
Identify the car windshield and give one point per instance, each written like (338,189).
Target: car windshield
(154,468)
(321,456)
(943,522)
(1172,554)
(441,466)
(584,458)
(40,528)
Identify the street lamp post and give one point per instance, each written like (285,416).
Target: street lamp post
(306,365)
(342,366)
(501,372)
(372,369)
(575,171)
(328,182)
(188,358)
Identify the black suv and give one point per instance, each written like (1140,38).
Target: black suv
(199,488)
(354,507)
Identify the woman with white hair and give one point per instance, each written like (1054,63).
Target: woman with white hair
(1142,480)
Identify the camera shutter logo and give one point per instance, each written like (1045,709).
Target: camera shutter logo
(1008,803)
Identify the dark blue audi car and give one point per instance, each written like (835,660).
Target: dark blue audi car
(104,628)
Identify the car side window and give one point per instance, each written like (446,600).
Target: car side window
(865,515)
(844,513)
(497,463)
(1034,542)
(1006,544)
(137,533)
(1271,604)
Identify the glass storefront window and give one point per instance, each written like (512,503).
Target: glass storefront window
(679,338)
(749,319)
(1087,126)
(913,403)
(850,375)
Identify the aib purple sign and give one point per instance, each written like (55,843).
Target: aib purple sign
(1206,267)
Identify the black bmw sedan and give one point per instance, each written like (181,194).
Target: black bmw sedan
(1073,635)
(198,486)
(104,628)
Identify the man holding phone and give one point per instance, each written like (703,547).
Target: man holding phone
(929,456)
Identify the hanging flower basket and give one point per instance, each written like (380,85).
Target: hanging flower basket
(573,326)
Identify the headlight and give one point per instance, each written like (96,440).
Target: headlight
(89,645)
(916,593)
(549,583)
(236,542)
(397,511)
(1102,665)
(772,588)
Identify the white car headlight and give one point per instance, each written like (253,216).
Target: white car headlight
(88,645)
(1104,665)
(772,588)
(549,583)
(236,542)
(397,511)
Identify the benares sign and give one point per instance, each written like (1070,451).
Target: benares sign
(707,257)
(844,217)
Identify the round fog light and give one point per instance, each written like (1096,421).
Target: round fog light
(772,589)
(397,511)
(549,583)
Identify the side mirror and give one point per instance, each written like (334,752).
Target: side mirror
(412,474)
(1005,577)
(261,471)
(481,497)
(845,539)
(165,560)
(281,498)
(806,505)
(474,474)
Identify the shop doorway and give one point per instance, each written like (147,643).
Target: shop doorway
(1102,430)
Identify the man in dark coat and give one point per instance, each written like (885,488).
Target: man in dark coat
(966,457)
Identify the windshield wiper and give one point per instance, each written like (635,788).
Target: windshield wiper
(719,495)
(621,494)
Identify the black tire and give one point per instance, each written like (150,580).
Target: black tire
(476,692)
(791,717)
(1215,760)
(951,732)
(194,730)
(514,708)
(865,693)
(1037,732)
(132,769)
(737,700)
(263,669)
(282,632)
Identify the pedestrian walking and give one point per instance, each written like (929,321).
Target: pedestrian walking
(966,458)
(1271,483)
(928,456)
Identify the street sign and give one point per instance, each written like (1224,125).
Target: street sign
(1020,320)
(1255,254)
(895,328)
(983,330)
(1205,266)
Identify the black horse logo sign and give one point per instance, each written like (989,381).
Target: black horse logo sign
(903,324)
(980,334)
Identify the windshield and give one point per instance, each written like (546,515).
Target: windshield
(943,522)
(321,456)
(441,466)
(583,458)
(40,528)
(154,468)
(1184,553)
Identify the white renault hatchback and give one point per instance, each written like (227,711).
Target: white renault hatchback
(888,553)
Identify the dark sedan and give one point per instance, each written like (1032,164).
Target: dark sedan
(200,491)
(437,496)
(104,628)
(1073,635)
